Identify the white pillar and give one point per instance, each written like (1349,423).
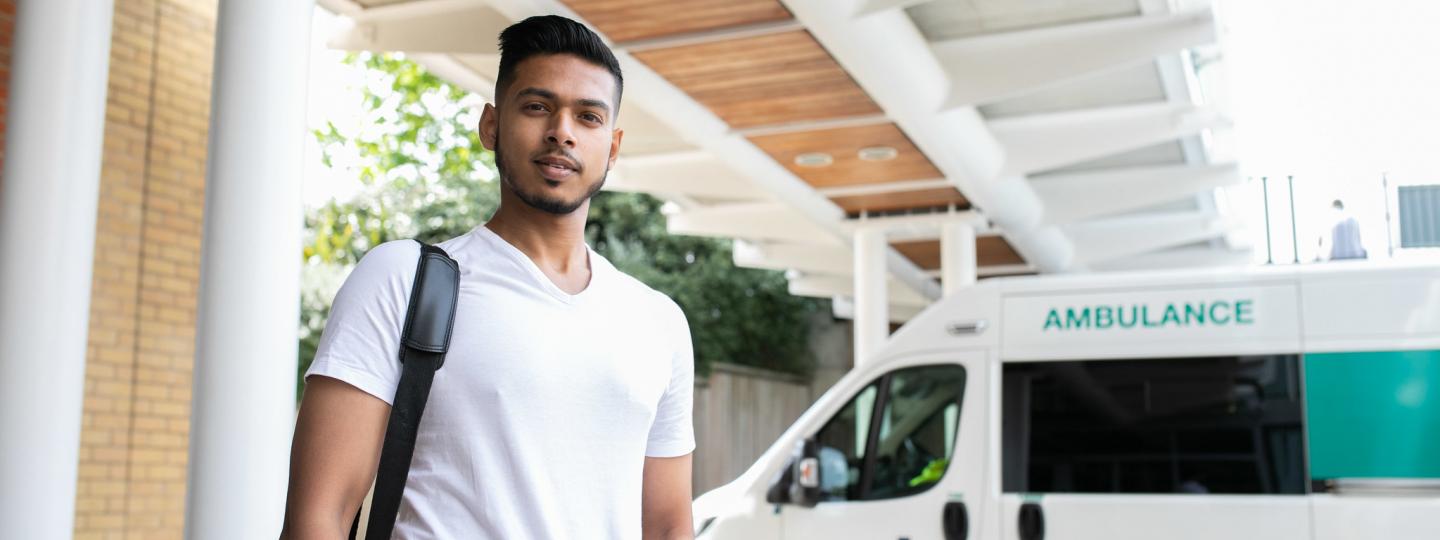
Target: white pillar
(245,361)
(957,256)
(872,302)
(48,193)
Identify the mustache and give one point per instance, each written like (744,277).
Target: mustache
(560,152)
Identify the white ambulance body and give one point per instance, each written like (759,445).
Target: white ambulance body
(1278,403)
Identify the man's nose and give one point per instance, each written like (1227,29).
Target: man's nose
(560,133)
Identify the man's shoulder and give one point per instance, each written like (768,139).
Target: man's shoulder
(392,253)
(633,289)
(397,255)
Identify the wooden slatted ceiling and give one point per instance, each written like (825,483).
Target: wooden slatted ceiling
(844,144)
(775,79)
(902,200)
(989,251)
(631,20)
(763,80)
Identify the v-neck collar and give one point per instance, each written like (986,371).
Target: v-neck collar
(592,260)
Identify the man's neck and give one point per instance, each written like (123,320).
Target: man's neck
(556,243)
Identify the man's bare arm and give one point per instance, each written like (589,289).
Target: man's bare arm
(333,458)
(665,503)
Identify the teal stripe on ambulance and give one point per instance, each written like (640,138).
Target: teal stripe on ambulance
(1373,414)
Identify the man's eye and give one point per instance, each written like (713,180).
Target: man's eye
(591,117)
(534,107)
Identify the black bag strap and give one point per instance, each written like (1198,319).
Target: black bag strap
(424,341)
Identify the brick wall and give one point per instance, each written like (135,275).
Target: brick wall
(134,439)
(7,33)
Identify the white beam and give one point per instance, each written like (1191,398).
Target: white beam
(1005,270)
(868,7)
(455,72)
(843,307)
(822,286)
(401,10)
(1080,196)
(806,258)
(989,68)
(455,27)
(243,413)
(755,165)
(1185,257)
(919,226)
(1041,142)
(826,259)
(692,173)
(756,221)
(884,187)
(1059,258)
(51,187)
(889,57)
(1113,238)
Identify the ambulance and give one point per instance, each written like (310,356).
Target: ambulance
(1275,403)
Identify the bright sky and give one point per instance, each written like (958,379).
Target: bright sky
(333,95)
(1334,92)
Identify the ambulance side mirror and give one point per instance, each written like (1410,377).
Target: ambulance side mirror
(799,481)
(805,491)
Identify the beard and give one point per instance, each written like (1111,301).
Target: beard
(538,201)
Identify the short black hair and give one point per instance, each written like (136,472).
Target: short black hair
(553,34)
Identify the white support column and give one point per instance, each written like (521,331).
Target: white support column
(48,195)
(244,406)
(872,301)
(958,267)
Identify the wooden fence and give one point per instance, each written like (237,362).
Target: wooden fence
(739,412)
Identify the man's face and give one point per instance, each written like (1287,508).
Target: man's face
(553,131)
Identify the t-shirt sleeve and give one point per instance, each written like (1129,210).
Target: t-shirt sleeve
(361,342)
(673,432)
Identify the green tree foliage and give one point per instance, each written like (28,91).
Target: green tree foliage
(426,176)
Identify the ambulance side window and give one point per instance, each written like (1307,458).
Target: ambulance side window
(842,445)
(1208,425)
(895,438)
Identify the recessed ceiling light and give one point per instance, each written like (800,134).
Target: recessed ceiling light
(878,153)
(814,159)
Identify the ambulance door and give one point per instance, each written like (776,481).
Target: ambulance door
(902,459)
(1200,448)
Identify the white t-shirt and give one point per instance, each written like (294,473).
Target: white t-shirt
(539,422)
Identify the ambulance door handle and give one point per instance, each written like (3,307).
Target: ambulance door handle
(1032,522)
(955,521)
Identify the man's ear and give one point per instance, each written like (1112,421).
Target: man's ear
(615,137)
(488,127)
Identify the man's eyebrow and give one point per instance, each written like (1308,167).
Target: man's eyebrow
(546,94)
(596,103)
(537,92)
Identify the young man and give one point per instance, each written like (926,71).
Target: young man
(563,409)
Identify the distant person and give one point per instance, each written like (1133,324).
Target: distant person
(1345,235)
